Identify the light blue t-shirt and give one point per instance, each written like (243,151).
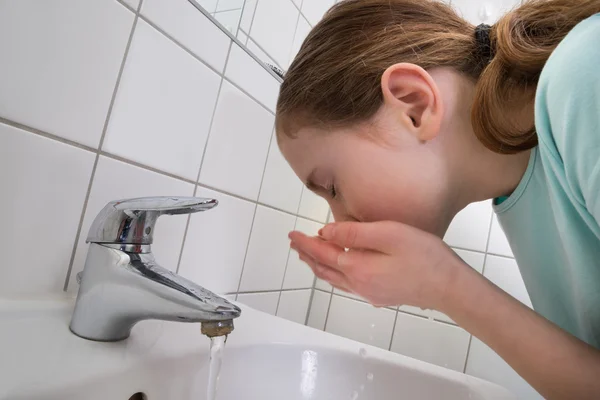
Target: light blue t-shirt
(552,220)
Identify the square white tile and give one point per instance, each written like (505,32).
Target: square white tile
(441,344)
(191,28)
(298,275)
(474,259)
(274,26)
(281,188)
(248,15)
(164,105)
(302,30)
(238,145)
(293,305)
(504,273)
(227,5)
(361,322)
(79,45)
(267,251)
(44,184)
(265,302)
(318,310)
(216,241)
(313,206)
(313,10)
(323,285)
(469,229)
(498,241)
(245,72)
(132,3)
(484,363)
(134,182)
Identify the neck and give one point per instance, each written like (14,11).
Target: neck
(477,173)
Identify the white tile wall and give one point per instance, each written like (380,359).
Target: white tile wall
(274,26)
(248,15)
(313,10)
(361,321)
(302,31)
(469,230)
(267,251)
(163,107)
(266,302)
(281,188)
(80,46)
(293,305)
(440,344)
(504,272)
(237,148)
(313,206)
(44,183)
(498,242)
(318,309)
(216,241)
(181,20)
(298,275)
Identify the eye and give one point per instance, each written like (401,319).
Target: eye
(332,191)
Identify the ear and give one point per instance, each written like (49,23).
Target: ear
(411,91)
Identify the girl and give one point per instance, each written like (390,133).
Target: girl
(400,113)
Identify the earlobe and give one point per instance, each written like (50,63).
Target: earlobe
(411,91)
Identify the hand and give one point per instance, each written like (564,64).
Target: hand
(387,263)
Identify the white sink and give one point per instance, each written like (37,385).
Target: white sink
(266,358)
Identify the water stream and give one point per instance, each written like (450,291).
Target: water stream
(217,344)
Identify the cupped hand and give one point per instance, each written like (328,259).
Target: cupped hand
(386,263)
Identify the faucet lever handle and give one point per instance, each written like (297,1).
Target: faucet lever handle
(131,221)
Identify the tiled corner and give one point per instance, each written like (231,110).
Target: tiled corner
(504,273)
(274,26)
(259,52)
(225,5)
(44,184)
(267,251)
(293,305)
(484,363)
(361,322)
(115,180)
(474,259)
(182,21)
(323,285)
(245,72)
(248,15)
(469,229)
(215,245)
(238,145)
(164,105)
(298,275)
(441,344)
(265,302)
(280,188)
(242,37)
(209,6)
(313,206)
(302,30)
(498,242)
(313,10)
(318,310)
(134,4)
(81,62)
(229,19)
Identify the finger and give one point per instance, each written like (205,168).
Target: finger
(324,252)
(335,278)
(378,236)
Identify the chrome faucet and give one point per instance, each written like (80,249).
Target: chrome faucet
(121,283)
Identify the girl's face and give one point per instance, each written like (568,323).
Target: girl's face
(372,172)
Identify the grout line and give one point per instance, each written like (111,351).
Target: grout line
(47,135)
(310,300)
(98,151)
(295,33)
(267,291)
(213,69)
(393,330)
(228,10)
(271,59)
(328,310)
(202,158)
(127,6)
(246,252)
(487,246)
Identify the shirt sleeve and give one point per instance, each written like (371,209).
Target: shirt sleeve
(568,111)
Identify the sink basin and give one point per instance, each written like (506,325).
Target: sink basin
(266,358)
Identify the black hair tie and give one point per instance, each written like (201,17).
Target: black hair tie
(484,43)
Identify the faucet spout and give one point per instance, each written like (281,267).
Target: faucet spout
(120,288)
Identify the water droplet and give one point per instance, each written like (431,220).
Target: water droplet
(354,395)
(363,352)
(372,326)
(370,377)
(362,388)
